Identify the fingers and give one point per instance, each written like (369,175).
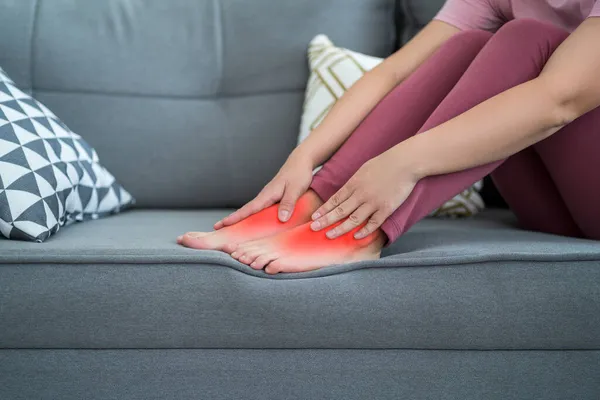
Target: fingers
(337,199)
(372,225)
(337,214)
(260,202)
(356,219)
(286,206)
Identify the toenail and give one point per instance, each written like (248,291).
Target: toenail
(253,264)
(234,254)
(315,225)
(179,238)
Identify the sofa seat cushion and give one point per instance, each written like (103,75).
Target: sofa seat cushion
(123,282)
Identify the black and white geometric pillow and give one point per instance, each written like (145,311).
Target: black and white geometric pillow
(49,176)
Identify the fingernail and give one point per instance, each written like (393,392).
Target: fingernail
(316,215)
(315,226)
(330,234)
(179,238)
(359,235)
(283,215)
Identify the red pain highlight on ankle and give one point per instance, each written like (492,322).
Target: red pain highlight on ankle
(305,239)
(268,218)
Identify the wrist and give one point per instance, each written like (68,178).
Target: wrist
(411,159)
(305,155)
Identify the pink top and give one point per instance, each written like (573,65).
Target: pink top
(492,14)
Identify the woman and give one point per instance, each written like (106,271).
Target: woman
(506,87)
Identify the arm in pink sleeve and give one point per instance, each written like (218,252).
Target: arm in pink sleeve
(595,10)
(470,14)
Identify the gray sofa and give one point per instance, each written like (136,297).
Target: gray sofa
(193,105)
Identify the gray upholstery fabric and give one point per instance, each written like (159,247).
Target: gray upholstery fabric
(148,236)
(197,90)
(122,282)
(209,95)
(298,374)
(414,15)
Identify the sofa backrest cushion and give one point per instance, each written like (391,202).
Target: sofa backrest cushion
(414,15)
(190,103)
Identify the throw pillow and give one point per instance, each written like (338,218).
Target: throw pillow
(333,70)
(49,175)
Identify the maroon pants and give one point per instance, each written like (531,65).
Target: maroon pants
(551,186)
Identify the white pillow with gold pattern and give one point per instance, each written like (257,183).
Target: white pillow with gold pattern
(333,70)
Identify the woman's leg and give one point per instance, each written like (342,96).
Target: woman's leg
(571,157)
(517,53)
(514,55)
(402,112)
(406,107)
(526,185)
(397,117)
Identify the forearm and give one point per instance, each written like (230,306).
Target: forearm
(566,89)
(347,114)
(363,96)
(491,131)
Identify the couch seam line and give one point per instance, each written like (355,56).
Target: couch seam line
(296,349)
(34,28)
(219,47)
(213,263)
(218,15)
(171,97)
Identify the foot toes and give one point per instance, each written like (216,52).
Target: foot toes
(195,243)
(251,256)
(262,260)
(274,267)
(230,248)
(196,235)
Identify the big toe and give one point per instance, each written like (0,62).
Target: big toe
(197,240)
(197,234)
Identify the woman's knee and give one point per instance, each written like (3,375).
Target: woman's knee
(471,36)
(527,32)
(528,27)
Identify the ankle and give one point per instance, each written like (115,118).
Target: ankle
(306,205)
(375,240)
(380,239)
(312,199)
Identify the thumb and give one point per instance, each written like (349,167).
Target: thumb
(288,201)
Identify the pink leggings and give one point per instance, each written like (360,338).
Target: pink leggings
(550,186)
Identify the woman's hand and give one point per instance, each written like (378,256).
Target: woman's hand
(375,191)
(291,182)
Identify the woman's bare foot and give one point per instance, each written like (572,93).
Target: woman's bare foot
(262,224)
(302,249)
